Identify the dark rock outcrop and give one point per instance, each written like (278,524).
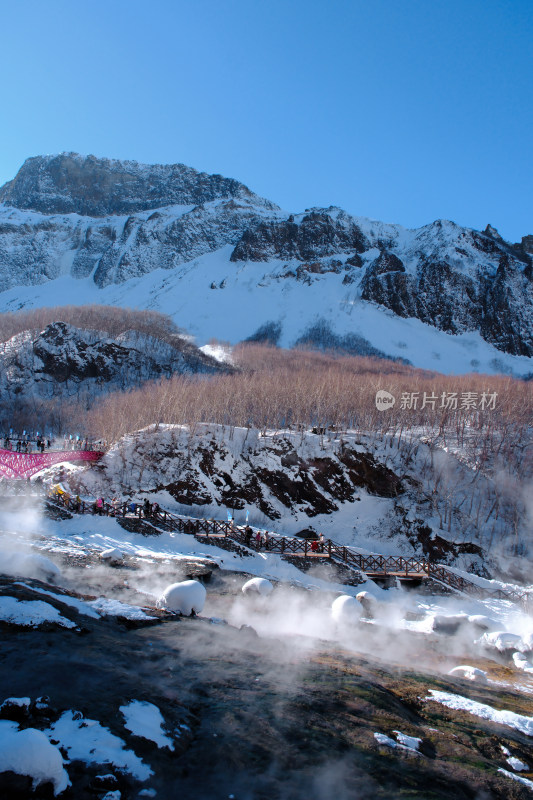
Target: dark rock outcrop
(318,234)
(97,187)
(66,361)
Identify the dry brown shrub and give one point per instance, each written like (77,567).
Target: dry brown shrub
(108,319)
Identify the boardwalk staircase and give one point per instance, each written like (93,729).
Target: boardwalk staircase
(358,566)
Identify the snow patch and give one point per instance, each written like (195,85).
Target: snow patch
(87,740)
(114,608)
(502,717)
(145,719)
(31,613)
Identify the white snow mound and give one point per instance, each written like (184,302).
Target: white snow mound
(183,598)
(260,586)
(345,609)
(28,752)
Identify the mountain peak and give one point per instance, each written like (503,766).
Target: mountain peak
(67,183)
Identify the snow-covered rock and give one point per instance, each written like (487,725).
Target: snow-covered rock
(66,361)
(501,716)
(372,607)
(500,640)
(112,556)
(28,565)
(28,752)
(517,764)
(404,742)
(521,662)
(411,742)
(469,673)
(87,740)
(183,598)
(483,623)
(260,586)
(345,610)
(114,608)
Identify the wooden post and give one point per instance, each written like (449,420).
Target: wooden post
(344,553)
(305,548)
(329,548)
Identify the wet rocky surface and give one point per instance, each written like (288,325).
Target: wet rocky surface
(258,716)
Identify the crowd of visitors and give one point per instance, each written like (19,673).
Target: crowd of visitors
(38,443)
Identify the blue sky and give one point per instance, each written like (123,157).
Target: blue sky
(402,111)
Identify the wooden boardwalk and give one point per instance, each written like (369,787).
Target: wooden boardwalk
(372,566)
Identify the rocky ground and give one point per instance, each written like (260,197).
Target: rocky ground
(253,716)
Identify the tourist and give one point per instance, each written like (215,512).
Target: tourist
(258,540)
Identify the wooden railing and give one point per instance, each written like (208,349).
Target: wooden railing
(372,565)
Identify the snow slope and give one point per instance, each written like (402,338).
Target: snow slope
(184,293)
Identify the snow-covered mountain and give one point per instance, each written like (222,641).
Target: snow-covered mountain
(226,263)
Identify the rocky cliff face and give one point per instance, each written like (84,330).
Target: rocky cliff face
(63,361)
(97,187)
(110,223)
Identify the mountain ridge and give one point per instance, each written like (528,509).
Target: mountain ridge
(213,233)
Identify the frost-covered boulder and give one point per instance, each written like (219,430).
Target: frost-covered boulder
(526,645)
(345,609)
(113,556)
(371,606)
(29,565)
(15,708)
(259,586)
(501,640)
(469,673)
(521,662)
(482,623)
(183,598)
